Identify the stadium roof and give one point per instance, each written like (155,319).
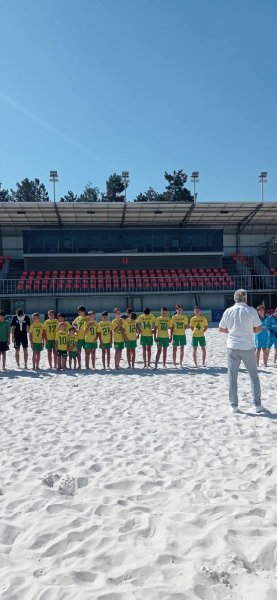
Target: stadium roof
(231,216)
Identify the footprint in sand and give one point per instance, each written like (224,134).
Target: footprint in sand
(67,486)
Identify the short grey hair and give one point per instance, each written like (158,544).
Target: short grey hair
(240,295)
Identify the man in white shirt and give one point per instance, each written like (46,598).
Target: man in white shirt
(240,322)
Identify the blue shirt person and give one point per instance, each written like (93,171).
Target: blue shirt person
(262,338)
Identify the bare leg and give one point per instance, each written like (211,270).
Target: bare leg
(157,357)
(129,357)
(144,355)
(93,357)
(87,358)
(108,358)
(17,356)
(25,352)
(164,356)
(174,355)
(133,356)
(104,359)
(204,355)
(258,352)
(265,356)
(49,355)
(149,355)
(194,355)
(182,349)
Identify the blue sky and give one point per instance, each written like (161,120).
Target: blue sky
(92,87)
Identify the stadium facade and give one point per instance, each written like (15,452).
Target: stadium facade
(105,254)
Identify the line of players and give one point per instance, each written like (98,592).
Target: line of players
(65,340)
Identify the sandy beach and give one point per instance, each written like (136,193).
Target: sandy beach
(137,484)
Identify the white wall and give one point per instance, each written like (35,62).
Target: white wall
(250,244)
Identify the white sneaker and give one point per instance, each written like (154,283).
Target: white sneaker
(260,408)
(234,409)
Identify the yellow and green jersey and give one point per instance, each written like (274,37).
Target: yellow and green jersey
(117,327)
(146,324)
(80,324)
(104,328)
(36,331)
(72,341)
(179,324)
(91,331)
(50,328)
(129,326)
(198,324)
(62,340)
(163,324)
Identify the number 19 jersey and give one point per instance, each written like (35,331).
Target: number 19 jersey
(179,324)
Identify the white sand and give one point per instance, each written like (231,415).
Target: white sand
(159,492)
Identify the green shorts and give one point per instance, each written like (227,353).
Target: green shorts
(106,346)
(62,352)
(118,345)
(131,344)
(72,354)
(81,344)
(90,345)
(162,342)
(179,340)
(50,345)
(37,347)
(146,340)
(195,341)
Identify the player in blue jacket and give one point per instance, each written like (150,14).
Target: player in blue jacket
(272,330)
(262,338)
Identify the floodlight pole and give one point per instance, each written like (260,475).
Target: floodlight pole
(54,178)
(262,180)
(195,179)
(125,177)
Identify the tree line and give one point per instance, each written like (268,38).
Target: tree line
(34,191)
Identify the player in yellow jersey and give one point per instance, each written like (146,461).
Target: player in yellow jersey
(91,339)
(131,336)
(119,337)
(62,345)
(104,334)
(162,325)
(72,346)
(178,333)
(50,328)
(198,325)
(36,334)
(61,319)
(146,327)
(80,324)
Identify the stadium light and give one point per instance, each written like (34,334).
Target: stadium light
(262,180)
(54,178)
(125,177)
(195,178)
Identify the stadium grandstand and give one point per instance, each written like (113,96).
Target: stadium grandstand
(55,255)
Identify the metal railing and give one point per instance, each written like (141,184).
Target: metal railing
(15,287)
